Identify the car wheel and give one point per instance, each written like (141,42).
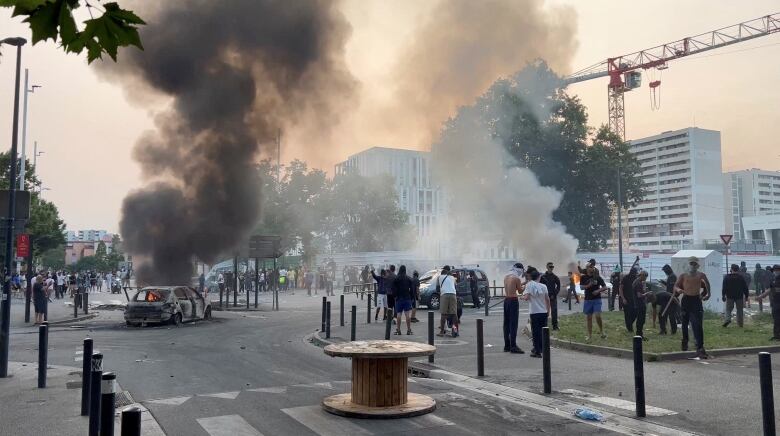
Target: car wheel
(434,303)
(481,298)
(176,319)
(207,314)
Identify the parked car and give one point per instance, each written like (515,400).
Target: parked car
(161,304)
(430,298)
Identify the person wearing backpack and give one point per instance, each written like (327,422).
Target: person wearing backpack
(448,301)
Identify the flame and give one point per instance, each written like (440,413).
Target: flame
(576,277)
(153,296)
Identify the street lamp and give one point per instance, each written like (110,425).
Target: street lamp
(5,308)
(36,153)
(23,160)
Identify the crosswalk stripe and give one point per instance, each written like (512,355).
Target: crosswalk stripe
(225,395)
(323,423)
(273,390)
(175,401)
(227,425)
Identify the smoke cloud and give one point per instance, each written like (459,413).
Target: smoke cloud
(458,50)
(235,72)
(489,195)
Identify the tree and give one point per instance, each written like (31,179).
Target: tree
(545,130)
(115,257)
(53,19)
(100,251)
(53,258)
(89,263)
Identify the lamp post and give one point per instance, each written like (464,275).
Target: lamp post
(620,223)
(22,161)
(5,326)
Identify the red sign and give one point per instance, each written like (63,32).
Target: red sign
(726,238)
(23,245)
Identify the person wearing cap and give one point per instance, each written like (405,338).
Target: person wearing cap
(514,285)
(774,294)
(735,293)
(593,285)
(690,285)
(553,284)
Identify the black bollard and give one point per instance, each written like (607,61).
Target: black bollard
(568,298)
(131,422)
(327,320)
(246,288)
(388,324)
(43,349)
(487,304)
(368,312)
(94,401)
(341,310)
(26,306)
(85,301)
(86,373)
(220,296)
(639,377)
(430,333)
(353,327)
(767,394)
(324,305)
(257,288)
(480,349)
(107,403)
(546,360)
(76,303)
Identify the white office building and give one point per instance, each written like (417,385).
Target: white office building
(752,208)
(683,205)
(410,169)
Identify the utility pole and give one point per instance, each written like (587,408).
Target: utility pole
(620,222)
(278,156)
(22,163)
(5,325)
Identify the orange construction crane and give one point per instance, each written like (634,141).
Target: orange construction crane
(624,71)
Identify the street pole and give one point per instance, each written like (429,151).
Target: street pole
(5,326)
(620,222)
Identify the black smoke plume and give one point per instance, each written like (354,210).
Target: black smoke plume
(235,72)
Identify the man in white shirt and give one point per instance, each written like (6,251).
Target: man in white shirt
(60,285)
(539,308)
(448,302)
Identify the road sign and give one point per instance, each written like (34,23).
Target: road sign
(726,239)
(23,245)
(264,246)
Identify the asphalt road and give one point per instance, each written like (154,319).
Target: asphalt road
(255,373)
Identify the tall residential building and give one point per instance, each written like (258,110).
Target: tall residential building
(683,205)
(410,169)
(750,193)
(86,235)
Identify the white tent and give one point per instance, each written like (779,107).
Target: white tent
(711,264)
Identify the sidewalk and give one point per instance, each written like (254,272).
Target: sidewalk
(61,311)
(55,409)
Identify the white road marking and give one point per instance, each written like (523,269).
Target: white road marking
(617,402)
(174,401)
(227,425)
(323,423)
(225,395)
(325,385)
(273,390)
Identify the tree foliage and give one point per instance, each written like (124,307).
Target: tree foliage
(53,19)
(546,130)
(53,258)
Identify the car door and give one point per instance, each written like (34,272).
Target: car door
(462,284)
(184,302)
(198,302)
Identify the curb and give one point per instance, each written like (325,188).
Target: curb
(237,309)
(71,320)
(657,357)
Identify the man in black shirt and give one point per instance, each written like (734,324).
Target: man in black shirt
(593,285)
(735,292)
(474,289)
(553,284)
(627,297)
(774,294)
(639,289)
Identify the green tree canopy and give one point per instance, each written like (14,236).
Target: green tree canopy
(114,27)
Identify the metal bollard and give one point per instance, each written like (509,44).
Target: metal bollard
(324,303)
(76,304)
(85,301)
(368,312)
(568,298)
(246,288)
(639,377)
(235,295)
(430,333)
(43,350)
(353,327)
(767,394)
(494,288)
(256,290)
(327,320)
(341,310)
(487,304)
(131,422)
(27,300)
(480,349)
(388,324)
(86,373)
(107,403)
(94,401)
(546,360)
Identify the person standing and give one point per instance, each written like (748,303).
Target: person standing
(553,284)
(593,285)
(735,292)
(390,277)
(39,298)
(571,289)
(690,285)
(538,297)
(513,288)
(668,306)
(202,283)
(627,297)
(60,284)
(774,294)
(415,295)
(402,289)
(762,279)
(639,288)
(448,301)
(473,287)
(381,294)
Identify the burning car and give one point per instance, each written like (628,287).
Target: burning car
(161,304)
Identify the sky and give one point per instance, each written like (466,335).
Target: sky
(86,126)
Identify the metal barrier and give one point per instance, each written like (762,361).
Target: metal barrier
(360,289)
